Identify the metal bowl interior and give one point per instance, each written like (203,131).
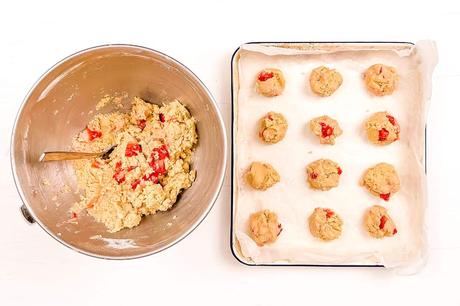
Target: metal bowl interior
(59,106)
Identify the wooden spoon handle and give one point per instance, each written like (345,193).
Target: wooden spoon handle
(55,156)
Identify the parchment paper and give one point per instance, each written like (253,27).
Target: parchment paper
(292,199)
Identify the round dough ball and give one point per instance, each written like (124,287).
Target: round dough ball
(325,224)
(382,128)
(262,176)
(381,180)
(270,82)
(326,128)
(272,127)
(380,79)
(378,223)
(323,174)
(264,227)
(324,81)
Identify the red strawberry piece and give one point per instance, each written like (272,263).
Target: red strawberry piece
(162,118)
(119,174)
(160,153)
(135,183)
(383,134)
(95,164)
(73,215)
(391,119)
(158,167)
(313,176)
(153,177)
(385,196)
(383,220)
(119,177)
(326,130)
(131,168)
(339,170)
(395,231)
(93,134)
(264,75)
(141,124)
(329,213)
(132,148)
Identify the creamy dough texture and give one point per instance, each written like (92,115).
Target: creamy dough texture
(261,176)
(270,82)
(325,224)
(381,80)
(378,222)
(381,180)
(323,174)
(147,170)
(326,128)
(272,127)
(324,81)
(291,198)
(382,128)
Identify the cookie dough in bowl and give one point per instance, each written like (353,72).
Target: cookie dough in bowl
(148,168)
(63,103)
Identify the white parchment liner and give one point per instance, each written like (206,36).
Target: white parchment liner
(292,199)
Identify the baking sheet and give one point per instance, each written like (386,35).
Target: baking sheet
(292,199)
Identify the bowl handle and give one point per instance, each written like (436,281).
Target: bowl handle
(26,214)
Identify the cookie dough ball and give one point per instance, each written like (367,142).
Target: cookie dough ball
(378,223)
(264,227)
(326,128)
(262,176)
(270,82)
(381,180)
(272,127)
(382,128)
(325,224)
(323,174)
(381,80)
(324,81)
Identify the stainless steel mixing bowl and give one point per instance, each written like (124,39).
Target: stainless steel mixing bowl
(61,103)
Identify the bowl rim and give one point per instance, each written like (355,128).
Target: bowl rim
(222,173)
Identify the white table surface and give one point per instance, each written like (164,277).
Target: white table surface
(36,270)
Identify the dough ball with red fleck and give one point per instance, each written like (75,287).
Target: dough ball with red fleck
(262,176)
(325,224)
(382,128)
(270,82)
(326,128)
(264,227)
(272,127)
(382,180)
(324,81)
(323,174)
(380,79)
(378,223)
